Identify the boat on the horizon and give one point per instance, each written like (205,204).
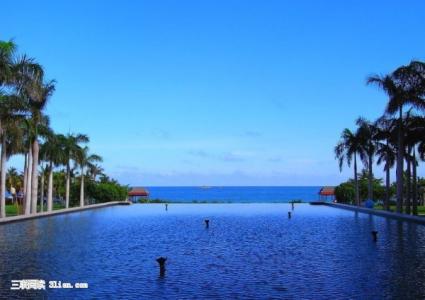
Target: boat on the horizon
(205,187)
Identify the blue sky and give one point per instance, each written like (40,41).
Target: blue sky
(215,92)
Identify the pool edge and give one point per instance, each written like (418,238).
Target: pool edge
(20,218)
(381,213)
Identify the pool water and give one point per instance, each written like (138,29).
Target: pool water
(249,251)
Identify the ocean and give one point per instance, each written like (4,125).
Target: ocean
(235,194)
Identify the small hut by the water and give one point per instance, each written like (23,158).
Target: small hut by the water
(327,193)
(137,193)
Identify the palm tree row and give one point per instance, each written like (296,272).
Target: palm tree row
(25,130)
(396,138)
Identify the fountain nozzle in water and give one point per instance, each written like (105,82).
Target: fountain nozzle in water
(375,235)
(166,206)
(292,203)
(289,214)
(161,261)
(207,223)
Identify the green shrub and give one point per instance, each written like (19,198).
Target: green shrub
(143,200)
(345,192)
(106,192)
(100,192)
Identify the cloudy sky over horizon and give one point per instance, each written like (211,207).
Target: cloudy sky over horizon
(216,92)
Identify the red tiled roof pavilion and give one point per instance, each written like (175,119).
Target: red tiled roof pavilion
(138,191)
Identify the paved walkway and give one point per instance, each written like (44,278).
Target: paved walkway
(59,212)
(383,213)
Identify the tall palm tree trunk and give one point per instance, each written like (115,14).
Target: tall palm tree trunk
(50,189)
(408,183)
(34,177)
(68,184)
(399,170)
(24,185)
(82,188)
(42,193)
(28,187)
(3,177)
(356,182)
(387,188)
(370,179)
(415,186)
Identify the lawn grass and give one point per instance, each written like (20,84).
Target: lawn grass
(11,209)
(421,209)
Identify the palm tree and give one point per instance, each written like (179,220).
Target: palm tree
(12,73)
(347,149)
(404,87)
(421,156)
(386,152)
(43,170)
(367,134)
(13,178)
(409,144)
(10,107)
(414,132)
(28,170)
(38,97)
(83,158)
(4,115)
(415,185)
(28,77)
(94,170)
(52,152)
(7,53)
(71,144)
(14,135)
(24,94)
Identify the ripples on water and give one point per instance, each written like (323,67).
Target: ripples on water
(249,251)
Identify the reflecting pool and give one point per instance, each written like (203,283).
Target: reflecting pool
(248,251)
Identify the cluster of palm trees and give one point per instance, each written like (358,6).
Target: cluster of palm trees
(396,138)
(25,130)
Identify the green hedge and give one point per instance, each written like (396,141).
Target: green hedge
(345,192)
(100,192)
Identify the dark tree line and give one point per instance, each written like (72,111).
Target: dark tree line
(395,139)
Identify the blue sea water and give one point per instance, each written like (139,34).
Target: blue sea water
(236,194)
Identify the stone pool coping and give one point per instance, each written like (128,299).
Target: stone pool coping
(59,212)
(382,213)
